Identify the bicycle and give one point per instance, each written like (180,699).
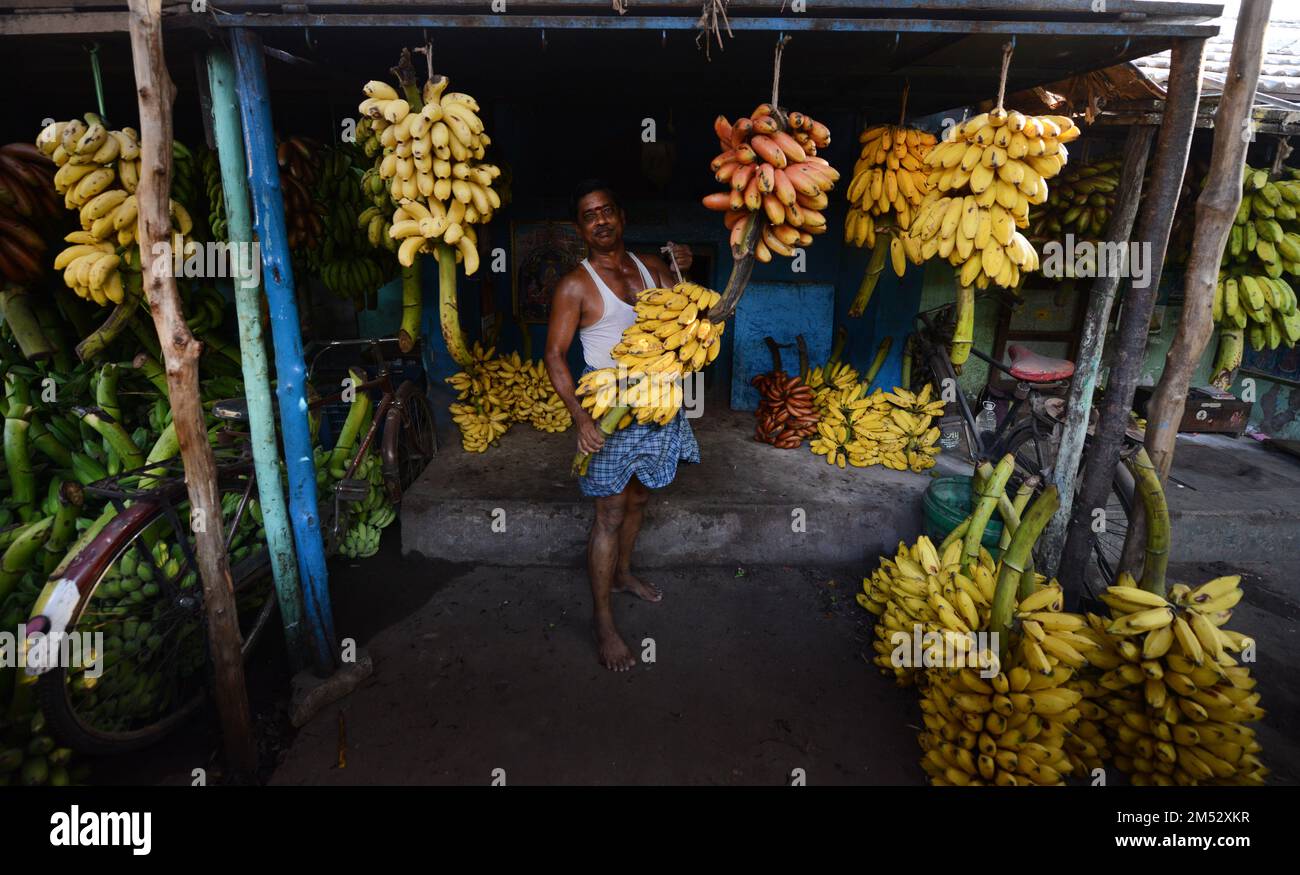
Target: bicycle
(141,590)
(1031,429)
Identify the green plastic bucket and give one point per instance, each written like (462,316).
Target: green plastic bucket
(947,501)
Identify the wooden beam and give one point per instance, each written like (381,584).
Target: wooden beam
(155,93)
(1215,210)
(1157,215)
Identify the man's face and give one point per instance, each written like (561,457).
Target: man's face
(600,221)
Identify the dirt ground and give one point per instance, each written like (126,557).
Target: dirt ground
(758,672)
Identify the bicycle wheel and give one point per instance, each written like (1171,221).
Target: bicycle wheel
(147,603)
(410,440)
(1035,452)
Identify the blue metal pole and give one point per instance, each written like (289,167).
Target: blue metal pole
(257,379)
(290,370)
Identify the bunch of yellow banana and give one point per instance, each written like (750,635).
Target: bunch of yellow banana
(885,428)
(825,380)
(432,159)
(97,176)
(528,394)
(599,391)
(889,177)
(910,415)
(1178,702)
(671,332)
(985,174)
(920,588)
(480,424)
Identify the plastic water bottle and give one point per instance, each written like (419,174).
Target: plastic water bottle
(986,422)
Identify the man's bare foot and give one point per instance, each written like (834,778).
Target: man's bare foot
(611,649)
(625,581)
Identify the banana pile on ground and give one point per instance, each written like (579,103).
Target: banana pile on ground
(885,428)
(828,379)
(1252,299)
(97,176)
(1178,701)
(997,719)
(28,208)
(432,145)
(786,413)
(770,162)
(890,182)
(985,175)
(480,412)
(529,396)
(1081,202)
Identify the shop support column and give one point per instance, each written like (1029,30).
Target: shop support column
(257,380)
(290,369)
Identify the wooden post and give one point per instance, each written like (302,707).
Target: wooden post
(1157,215)
(1215,210)
(1079,402)
(155,93)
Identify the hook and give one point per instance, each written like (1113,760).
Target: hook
(663,39)
(543,39)
(306,37)
(897,41)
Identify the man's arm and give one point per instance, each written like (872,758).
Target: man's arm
(566,316)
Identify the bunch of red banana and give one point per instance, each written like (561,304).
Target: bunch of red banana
(299,169)
(786,414)
(770,162)
(28,204)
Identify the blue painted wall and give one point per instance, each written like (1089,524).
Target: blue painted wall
(778,310)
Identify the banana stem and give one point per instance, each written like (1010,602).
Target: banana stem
(956,534)
(448,309)
(115,435)
(64,527)
(1227,357)
(152,371)
(357,414)
(875,266)
(18,462)
(882,353)
(412,304)
(906,379)
(106,391)
(964,333)
(92,531)
(989,488)
(608,425)
(15,307)
(166,447)
(18,558)
(1014,563)
(837,351)
(99,339)
(42,439)
(1156,509)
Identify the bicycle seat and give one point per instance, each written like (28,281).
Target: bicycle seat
(1031,367)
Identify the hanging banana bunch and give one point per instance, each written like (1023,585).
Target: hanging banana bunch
(890,182)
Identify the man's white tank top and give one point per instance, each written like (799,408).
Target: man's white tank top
(600,337)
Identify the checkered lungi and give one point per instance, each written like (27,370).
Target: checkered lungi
(649,451)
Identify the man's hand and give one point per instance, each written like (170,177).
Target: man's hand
(590,437)
(682,253)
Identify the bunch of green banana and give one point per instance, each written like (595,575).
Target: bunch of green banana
(1081,202)
(31,757)
(347,262)
(210,168)
(431,156)
(361,541)
(1253,299)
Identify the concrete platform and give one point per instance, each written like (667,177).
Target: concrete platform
(1228,498)
(738,506)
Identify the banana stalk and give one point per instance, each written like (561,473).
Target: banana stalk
(166,447)
(114,435)
(1227,357)
(1157,516)
(91,532)
(64,528)
(964,333)
(18,462)
(11,534)
(957,534)
(52,328)
(152,371)
(21,553)
(837,350)
(357,414)
(42,439)
(882,353)
(988,488)
(875,266)
(146,335)
(106,391)
(413,305)
(448,309)
(1015,564)
(15,307)
(906,380)
(608,425)
(99,339)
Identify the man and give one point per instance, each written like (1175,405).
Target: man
(596,300)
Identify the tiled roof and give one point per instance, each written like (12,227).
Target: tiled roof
(1279,75)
